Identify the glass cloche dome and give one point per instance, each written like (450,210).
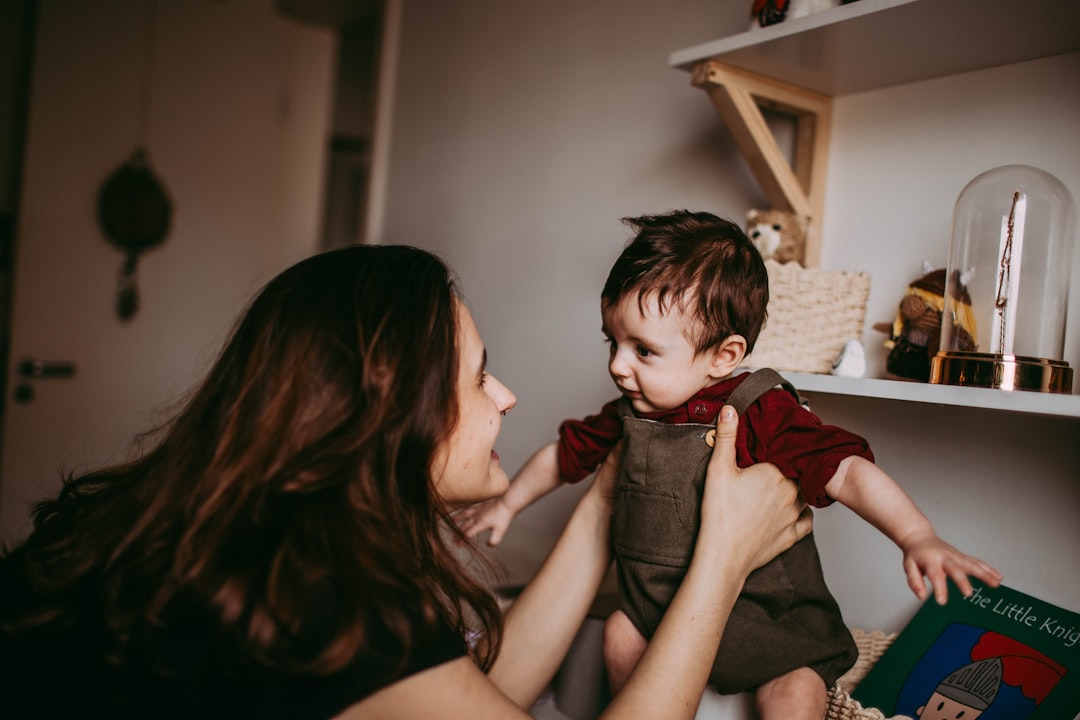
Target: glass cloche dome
(1007,288)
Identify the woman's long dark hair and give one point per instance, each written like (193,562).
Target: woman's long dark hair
(299,467)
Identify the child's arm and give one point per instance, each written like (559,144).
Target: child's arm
(874,496)
(537,477)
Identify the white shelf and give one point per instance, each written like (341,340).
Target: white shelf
(1067,406)
(872,44)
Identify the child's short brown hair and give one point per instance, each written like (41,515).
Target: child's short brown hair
(703,263)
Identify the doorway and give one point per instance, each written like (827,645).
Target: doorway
(16,51)
(239,106)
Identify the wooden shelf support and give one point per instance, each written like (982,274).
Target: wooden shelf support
(798,185)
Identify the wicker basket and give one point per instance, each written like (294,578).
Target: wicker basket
(812,314)
(841,706)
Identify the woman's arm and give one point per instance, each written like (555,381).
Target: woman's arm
(543,621)
(749,516)
(539,629)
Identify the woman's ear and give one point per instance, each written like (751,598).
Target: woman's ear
(727,356)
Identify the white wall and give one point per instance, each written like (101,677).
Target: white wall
(1000,485)
(524,131)
(239,109)
(901,157)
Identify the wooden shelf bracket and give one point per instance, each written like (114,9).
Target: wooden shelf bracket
(798,185)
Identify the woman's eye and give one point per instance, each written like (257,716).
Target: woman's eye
(484,378)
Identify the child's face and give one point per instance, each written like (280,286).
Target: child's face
(652,361)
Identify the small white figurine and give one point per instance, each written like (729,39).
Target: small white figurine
(852,360)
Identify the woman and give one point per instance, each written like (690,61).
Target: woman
(286,548)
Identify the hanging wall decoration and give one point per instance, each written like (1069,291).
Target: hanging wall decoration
(134,209)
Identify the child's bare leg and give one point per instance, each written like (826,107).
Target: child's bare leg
(623,646)
(797,695)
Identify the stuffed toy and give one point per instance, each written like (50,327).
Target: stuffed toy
(778,235)
(915,334)
(770,12)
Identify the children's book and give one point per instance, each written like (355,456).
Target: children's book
(999,654)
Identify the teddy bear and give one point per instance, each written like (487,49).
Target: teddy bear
(915,334)
(778,235)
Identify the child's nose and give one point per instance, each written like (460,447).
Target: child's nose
(618,366)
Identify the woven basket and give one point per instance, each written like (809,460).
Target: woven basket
(840,705)
(812,314)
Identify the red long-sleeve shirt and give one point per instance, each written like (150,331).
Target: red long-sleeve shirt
(775,429)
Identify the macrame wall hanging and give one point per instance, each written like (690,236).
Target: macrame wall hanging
(134,209)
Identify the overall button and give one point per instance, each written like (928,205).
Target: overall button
(710,438)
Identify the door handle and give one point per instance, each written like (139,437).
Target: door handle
(32,369)
(39,369)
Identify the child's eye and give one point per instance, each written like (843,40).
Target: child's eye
(643,351)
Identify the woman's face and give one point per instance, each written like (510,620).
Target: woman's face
(466,467)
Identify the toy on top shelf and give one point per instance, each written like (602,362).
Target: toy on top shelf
(770,12)
(915,334)
(778,235)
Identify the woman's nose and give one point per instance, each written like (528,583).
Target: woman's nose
(505,399)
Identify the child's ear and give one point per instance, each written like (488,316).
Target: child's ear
(727,356)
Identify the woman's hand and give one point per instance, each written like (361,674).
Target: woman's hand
(755,512)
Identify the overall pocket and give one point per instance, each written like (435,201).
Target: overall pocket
(654,525)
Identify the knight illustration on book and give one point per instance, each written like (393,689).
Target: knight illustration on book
(965,693)
(1000,668)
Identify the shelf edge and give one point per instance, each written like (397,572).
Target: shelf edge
(1048,404)
(685,58)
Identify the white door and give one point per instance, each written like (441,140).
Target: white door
(237,113)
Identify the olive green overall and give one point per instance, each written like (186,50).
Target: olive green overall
(785,618)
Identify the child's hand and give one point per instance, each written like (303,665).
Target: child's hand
(493,514)
(931,557)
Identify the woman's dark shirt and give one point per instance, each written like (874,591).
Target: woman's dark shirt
(60,673)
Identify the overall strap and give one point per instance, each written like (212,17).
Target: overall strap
(753,387)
